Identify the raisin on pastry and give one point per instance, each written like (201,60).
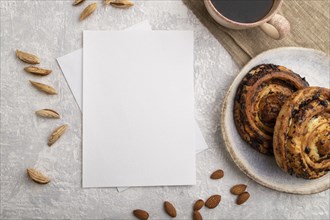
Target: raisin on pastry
(302,133)
(259,99)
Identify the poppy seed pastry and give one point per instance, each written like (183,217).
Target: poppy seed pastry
(259,98)
(302,133)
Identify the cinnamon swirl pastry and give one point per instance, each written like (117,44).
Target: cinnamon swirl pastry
(302,133)
(258,101)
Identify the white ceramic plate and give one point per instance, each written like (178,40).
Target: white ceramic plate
(309,63)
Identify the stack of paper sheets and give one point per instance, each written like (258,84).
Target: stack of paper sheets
(138,120)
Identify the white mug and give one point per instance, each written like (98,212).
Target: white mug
(273,24)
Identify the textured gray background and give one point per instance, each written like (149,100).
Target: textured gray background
(51,29)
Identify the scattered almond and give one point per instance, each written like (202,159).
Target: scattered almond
(243,197)
(213,201)
(238,189)
(170,209)
(88,11)
(141,214)
(197,215)
(37,176)
(198,205)
(37,70)
(44,88)
(77,2)
(48,113)
(119,3)
(27,57)
(57,133)
(218,174)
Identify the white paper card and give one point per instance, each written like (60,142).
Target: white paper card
(138,123)
(71,66)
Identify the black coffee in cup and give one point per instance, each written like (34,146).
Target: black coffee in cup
(243,11)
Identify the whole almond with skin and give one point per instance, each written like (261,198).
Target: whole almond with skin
(57,133)
(213,201)
(37,176)
(77,2)
(198,205)
(88,11)
(48,113)
(44,88)
(243,197)
(37,70)
(120,3)
(238,189)
(27,57)
(170,209)
(218,174)
(197,215)
(141,214)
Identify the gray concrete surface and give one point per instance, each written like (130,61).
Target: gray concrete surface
(51,29)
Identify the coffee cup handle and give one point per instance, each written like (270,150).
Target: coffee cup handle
(277,27)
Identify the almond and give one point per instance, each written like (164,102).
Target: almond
(119,3)
(77,2)
(57,133)
(213,201)
(88,11)
(198,205)
(238,189)
(27,57)
(242,198)
(37,70)
(197,215)
(141,214)
(218,174)
(37,176)
(170,209)
(48,113)
(44,88)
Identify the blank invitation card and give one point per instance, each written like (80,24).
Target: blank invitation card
(138,108)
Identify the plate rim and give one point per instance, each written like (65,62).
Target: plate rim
(228,144)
